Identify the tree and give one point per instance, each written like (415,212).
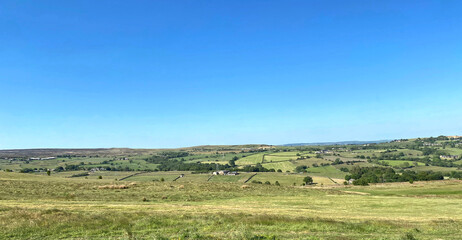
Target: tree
(405,165)
(232,162)
(301,168)
(308,180)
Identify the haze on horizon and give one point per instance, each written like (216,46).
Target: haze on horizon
(156,74)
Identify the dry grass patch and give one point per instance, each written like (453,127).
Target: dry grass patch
(113,186)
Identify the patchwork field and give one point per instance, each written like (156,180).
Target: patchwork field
(176,194)
(252,159)
(38,207)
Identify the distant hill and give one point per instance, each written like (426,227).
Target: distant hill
(335,143)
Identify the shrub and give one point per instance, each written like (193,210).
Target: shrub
(408,236)
(361,182)
(79,174)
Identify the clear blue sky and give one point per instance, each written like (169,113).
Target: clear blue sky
(181,73)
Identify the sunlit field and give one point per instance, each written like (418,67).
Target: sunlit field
(37,207)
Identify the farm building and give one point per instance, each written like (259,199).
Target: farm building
(225,172)
(323,152)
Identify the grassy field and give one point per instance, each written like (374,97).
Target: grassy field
(251,160)
(42,207)
(120,194)
(291,179)
(281,156)
(400,162)
(327,171)
(284,166)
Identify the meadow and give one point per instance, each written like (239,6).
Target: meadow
(122,194)
(51,207)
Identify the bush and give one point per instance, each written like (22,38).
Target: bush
(301,168)
(408,236)
(80,174)
(277,183)
(361,182)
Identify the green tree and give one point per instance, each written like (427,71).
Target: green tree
(232,162)
(308,180)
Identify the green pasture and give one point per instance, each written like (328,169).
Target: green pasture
(326,171)
(251,159)
(284,166)
(397,163)
(50,207)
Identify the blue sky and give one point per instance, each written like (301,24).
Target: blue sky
(149,74)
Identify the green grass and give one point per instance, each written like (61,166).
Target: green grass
(250,160)
(278,158)
(157,176)
(41,207)
(453,151)
(37,206)
(284,166)
(310,161)
(435,169)
(229,179)
(288,179)
(326,171)
(401,162)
